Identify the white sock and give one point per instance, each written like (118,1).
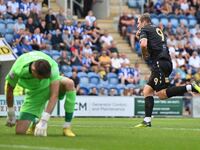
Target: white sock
(147,119)
(189,88)
(67,125)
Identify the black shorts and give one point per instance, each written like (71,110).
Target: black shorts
(160,72)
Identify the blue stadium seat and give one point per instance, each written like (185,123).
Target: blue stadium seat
(94,78)
(174,22)
(164,21)
(184,20)
(83,77)
(132,3)
(192,22)
(68,74)
(155,21)
(129,86)
(10,28)
(121,88)
(9,38)
(55,54)
(48,52)
(112,78)
(2,28)
(85,88)
(65,68)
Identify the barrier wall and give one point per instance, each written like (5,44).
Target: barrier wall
(108,106)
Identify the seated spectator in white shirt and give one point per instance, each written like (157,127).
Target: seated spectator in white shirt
(38,40)
(19,25)
(180,60)
(196,40)
(123,59)
(3,10)
(90,18)
(106,39)
(194,60)
(36,6)
(13,8)
(115,62)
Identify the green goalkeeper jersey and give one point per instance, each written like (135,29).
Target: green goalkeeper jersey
(20,72)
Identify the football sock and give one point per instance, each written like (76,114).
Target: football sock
(149,103)
(176,91)
(67,125)
(147,119)
(69,105)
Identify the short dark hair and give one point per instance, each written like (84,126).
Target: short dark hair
(43,68)
(145,17)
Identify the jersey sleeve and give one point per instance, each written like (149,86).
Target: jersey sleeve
(143,34)
(12,77)
(55,75)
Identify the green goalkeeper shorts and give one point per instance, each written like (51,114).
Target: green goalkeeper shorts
(35,101)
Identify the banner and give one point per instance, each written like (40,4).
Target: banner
(169,107)
(18,101)
(196,107)
(6,53)
(102,106)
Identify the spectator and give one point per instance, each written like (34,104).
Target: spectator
(60,17)
(24,9)
(93,92)
(197,75)
(105,61)
(115,62)
(90,18)
(3,10)
(23,46)
(36,6)
(63,59)
(57,40)
(76,80)
(51,21)
(13,8)
(194,61)
(106,39)
(30,25)
(19,25)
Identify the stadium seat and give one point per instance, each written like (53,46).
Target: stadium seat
(2,28)
(184,20)
(94,78)
(121,88)
(83,78)
(155,21)
(85,88)
(10,28)
(132,3)
(129,86)
(112,79)
(192,22)
(68,74)
(55,54)
(164,21)
(48,52)
(65,68)
(174,22)
(9,38)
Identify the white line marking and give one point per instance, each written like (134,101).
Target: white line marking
(35,147)
(131,127)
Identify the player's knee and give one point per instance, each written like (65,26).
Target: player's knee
(69,84)
(147,91)
(162,94)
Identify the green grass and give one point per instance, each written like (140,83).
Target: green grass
(109,134)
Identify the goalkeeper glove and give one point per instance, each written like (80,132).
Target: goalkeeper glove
(11,119)
(41,127)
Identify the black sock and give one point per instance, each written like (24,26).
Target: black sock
(149,103)
(176,91)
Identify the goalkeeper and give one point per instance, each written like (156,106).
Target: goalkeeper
(39,75)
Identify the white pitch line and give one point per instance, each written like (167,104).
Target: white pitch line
(132,127)
(35,147)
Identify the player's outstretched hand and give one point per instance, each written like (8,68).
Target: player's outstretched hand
(11,118)
(41,127)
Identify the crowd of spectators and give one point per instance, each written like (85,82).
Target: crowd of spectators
(78,47)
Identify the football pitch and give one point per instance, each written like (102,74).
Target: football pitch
(109,134)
